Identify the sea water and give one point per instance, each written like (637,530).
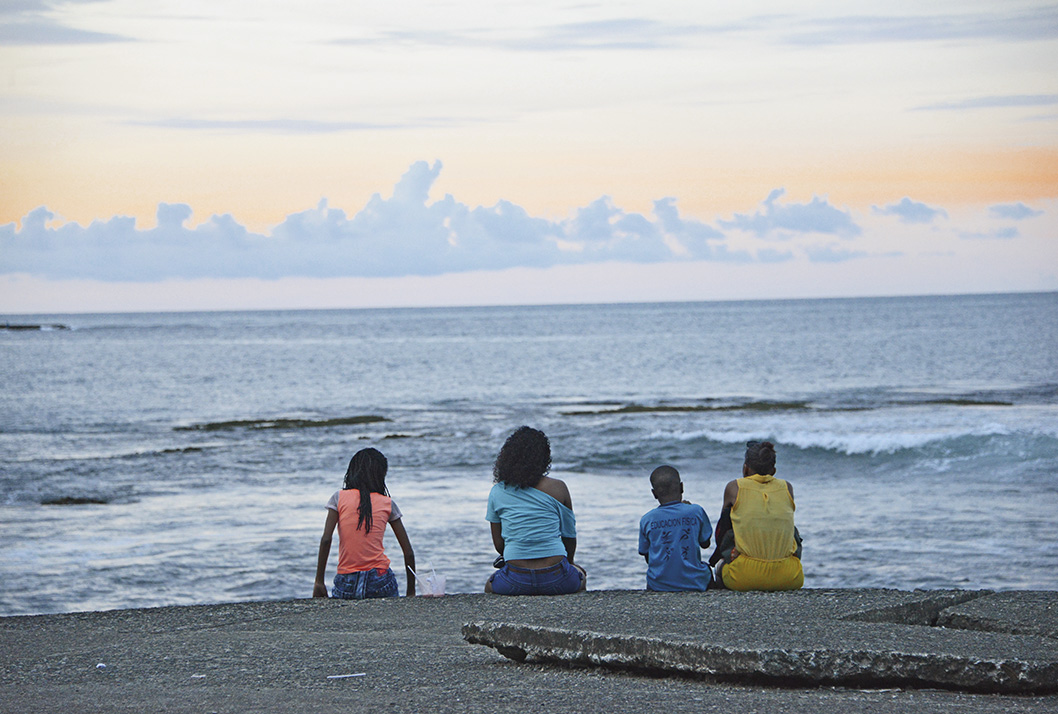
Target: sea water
(155,459)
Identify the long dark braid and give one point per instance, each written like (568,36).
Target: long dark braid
(367,472)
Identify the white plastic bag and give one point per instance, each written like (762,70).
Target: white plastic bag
(432,585)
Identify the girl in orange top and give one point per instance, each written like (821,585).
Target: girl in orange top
(361,511)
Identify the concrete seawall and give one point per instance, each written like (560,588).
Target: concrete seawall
(620,651)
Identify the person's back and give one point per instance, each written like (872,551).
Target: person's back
(360,512)
(534,521)
(762,518)
(671,535)
(765,554)
(531,518)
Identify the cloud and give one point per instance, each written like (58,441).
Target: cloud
(832,253)
(610,34)
(647,34)
(911,211)
(173,215)
(404,234)
(770,255)
(287,125)
(1013,211)
(620,34)
(997,234)
(688,237)
(993,102)
(815,217)
(1037,24)
(29,22)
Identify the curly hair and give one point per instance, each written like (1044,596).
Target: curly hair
(367,472)
(760,457)
(524,459)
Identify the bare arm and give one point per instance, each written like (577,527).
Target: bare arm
(497,537)
(730,494)
(571,547)
(319,588)
(558,490)
(409,554)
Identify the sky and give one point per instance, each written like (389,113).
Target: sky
(164,155)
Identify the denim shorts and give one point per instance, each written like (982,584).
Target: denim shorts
(365,584)
(559,579)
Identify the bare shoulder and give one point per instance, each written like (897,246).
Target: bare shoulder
(557,489)
(730,492)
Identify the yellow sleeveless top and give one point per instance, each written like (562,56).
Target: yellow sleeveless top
(763,518)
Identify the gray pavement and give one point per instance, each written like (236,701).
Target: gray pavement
(851,638)
(410,654)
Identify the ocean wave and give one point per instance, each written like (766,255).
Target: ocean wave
(1032,394)
(113,455)
(281,423)
(857,400)
(824,404)
(55,327)
(877,443)
(872,444)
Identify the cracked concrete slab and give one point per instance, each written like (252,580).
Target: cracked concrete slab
(279,656)
(868,638)
(1015,613)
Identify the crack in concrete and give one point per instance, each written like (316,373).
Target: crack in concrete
(965,641)
(925,612)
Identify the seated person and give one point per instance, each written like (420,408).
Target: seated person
(756,537)
(670,536)
(533,526)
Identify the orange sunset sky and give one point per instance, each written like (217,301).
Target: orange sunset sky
(200,155)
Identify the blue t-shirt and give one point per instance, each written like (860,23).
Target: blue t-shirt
(670,536)
(534,523)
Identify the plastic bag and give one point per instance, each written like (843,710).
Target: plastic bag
(432,585)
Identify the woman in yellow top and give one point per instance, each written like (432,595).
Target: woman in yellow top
(766,555)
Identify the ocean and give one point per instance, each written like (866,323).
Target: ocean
(160,459)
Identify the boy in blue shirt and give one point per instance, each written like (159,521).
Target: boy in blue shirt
(671,535)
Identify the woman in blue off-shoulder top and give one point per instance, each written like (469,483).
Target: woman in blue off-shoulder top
(533,526)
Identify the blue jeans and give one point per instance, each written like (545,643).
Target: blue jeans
(558,579)
(365,584)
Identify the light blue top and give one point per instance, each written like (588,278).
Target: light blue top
(533,522)
(670,536)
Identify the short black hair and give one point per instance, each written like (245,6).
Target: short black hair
(665,480)
(524,459)
(760,457)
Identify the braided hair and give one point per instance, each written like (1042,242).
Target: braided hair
(366,472)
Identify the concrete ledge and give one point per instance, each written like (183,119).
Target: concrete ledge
(786,667)
(925,611)
(409,654)
(1015,613)
(974,641)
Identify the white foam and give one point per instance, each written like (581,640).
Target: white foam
(858,440)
